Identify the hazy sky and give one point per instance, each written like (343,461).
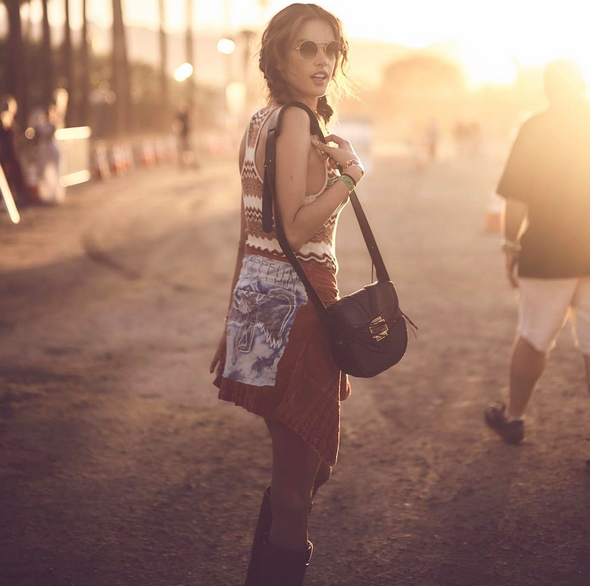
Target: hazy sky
(493,33)
(412,22)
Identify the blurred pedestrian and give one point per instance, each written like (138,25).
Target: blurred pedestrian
(9,156)
(431,138)
(46,159)
(183,127)
(546,228)
(460,132)
(273,358)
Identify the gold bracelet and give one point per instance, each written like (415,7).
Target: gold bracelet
(350,163)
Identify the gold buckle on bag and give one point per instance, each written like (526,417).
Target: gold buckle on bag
(378,329)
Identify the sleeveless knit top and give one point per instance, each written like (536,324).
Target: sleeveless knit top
(321,247)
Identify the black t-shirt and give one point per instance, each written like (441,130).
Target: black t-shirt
(549,170)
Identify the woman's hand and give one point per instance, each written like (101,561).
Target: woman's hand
(340,154)
(218,362)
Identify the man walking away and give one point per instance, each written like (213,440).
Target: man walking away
(546,229)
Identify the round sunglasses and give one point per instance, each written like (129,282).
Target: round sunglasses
(309,49)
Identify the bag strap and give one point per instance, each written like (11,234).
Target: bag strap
(269,201)
(269,198)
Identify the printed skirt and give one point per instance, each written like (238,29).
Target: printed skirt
(278,362)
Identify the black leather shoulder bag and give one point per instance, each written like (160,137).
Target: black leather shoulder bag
(367,329)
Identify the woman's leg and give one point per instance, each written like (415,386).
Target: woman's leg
(322,476)
(294,470)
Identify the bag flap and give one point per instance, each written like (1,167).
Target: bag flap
(363,306)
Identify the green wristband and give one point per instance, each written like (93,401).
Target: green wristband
(348,181)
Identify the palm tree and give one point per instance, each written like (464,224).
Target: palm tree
(47,72)
(84,81)
(16,73)
(120,79)
(26,25)
(163,55)
(190,85)
(67,57)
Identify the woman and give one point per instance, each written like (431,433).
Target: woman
(273,358)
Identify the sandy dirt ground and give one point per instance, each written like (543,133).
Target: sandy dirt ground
(119,466)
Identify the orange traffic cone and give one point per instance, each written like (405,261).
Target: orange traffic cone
(148,156)
(128,156)
(118,165)
(160,151)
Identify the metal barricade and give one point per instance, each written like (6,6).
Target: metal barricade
(74,148)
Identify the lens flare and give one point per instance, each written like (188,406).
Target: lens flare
(226,46)
(183,72)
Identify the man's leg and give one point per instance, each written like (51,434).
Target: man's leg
(543,311)
(526,367)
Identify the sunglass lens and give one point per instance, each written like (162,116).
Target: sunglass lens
(308,50)
(333,50)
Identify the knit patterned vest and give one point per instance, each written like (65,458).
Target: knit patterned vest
(320,248)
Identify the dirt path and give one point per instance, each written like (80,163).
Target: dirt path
(119,467)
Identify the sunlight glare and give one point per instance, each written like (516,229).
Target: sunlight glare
(489,67)
(183,72)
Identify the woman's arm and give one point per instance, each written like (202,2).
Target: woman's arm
(242,237)
(301,221)
(240,257)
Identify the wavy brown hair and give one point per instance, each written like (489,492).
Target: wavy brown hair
(278,37)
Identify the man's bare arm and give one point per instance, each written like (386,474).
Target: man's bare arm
(514,215)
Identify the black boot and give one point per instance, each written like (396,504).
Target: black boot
(283,567)
(262,528)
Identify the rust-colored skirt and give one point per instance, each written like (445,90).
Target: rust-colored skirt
(278,362)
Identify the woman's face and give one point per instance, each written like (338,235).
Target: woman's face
(309,79)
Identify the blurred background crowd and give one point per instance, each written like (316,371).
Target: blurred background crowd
(433,81)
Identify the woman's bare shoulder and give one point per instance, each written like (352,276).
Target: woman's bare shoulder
(295,123)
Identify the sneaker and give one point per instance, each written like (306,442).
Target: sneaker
(511,432)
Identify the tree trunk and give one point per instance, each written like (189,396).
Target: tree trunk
(163,56)
(16,66)
(121,81)
(84,82)
(68,62)
(26,25)
(47,72)
(190,84)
